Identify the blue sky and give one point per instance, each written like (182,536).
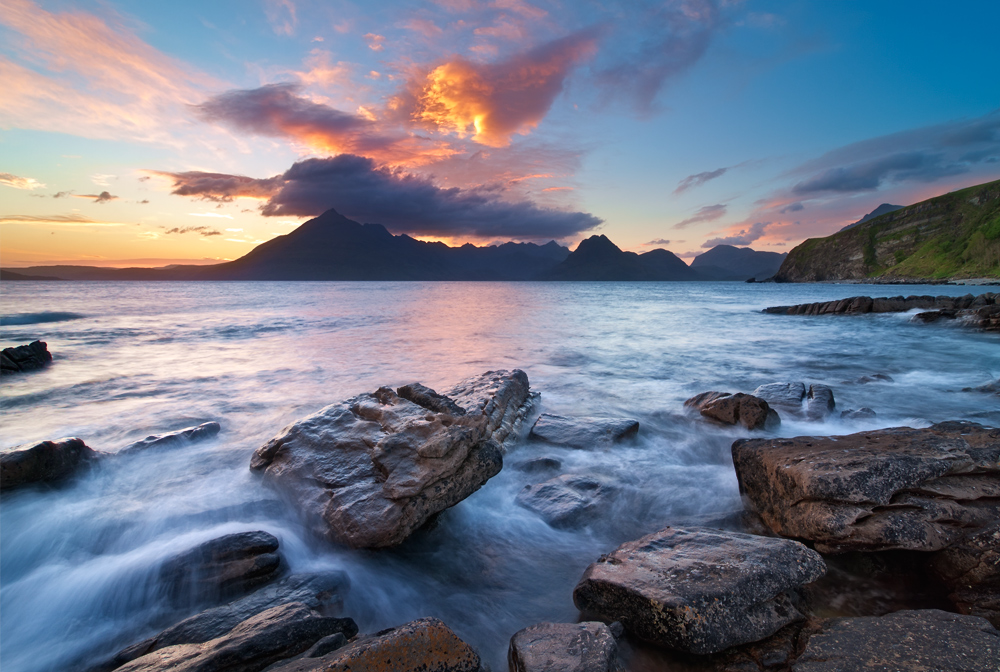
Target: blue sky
(210,127)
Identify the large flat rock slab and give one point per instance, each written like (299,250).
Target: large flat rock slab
(567,501)
(900,488)
(699,590)
(369,471)
(564,647)
(583,432)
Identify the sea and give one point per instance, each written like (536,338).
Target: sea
(78,562)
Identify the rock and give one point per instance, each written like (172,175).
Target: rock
(900,488)
(424,645)
(925,639)
(171,439)
(935,316)
(819,402)
(971,569)
(699,590)
(424,396)
(319,592)
(863,413)
(370,471)
(564,647)
(538,465)
(271,636)
(23,358)
(327,645)
(988,388)
(222,567)
(981,312)
(732,409)
(786,396)
(45,462)
(874,378)
(567,501)
(582,432)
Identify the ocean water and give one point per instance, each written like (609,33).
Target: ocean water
(77,562)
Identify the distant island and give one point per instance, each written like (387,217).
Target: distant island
(333,247)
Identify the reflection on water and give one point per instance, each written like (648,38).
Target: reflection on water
(132,359)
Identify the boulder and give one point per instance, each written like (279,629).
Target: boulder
(981,312)
(44,462)
(538,465)
(23,358)
(180,437)
(567,501)
(222,567)
(699,590)
(423,645)
(564,647)
(271,636)
(819,402)
(988,388)
(919,640)
(971,569)
(899,488)
(370,471)
(863,413)
(319,592)
(733,409)
(786,396)
(583,432)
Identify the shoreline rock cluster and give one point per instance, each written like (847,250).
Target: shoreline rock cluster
(22,358)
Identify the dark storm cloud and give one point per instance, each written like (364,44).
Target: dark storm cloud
(220,187)
(699,179)
(792,207)
(705,214)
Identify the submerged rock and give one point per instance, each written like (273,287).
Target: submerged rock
(988,388)
(919,640)
(273,635)
(900,488)
(583,432)
(538,465)
(564,647)
(786,396)
(733,409)
(179,437)
(971,569)
(370,471)
(699,590)
(24,358)
(863,413)
(566,501)
(44,462)
(424,645)
(225,566)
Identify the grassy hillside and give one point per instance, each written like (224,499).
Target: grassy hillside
(953,236)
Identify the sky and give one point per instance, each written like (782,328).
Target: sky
(148,134)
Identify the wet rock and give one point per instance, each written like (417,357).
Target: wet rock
(874,378)
(424,396)
(699,590)
(567,501)
(786,396)
(583,432)
(180,437)
(327,645)
(988,388)
(920,640)
(900,488)
(863,413)
(370,471)
(271,636)
(423,645)
(733,409)
(24,358)
(44,462)
(971,569)
(225,566)
(564,647)
(320,592)
(819,402)
(935,316)
(539,465)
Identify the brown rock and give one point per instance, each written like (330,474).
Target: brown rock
(44,462)
(564,647)
(733,409)
(225,566)
(971,569)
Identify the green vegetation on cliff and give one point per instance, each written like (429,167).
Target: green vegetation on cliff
(953,236)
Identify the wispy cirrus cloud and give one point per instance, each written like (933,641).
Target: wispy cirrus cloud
(282,15)
(707,213)
(57,220)
(205,231)
(698,179)
(103,197)
(26,183)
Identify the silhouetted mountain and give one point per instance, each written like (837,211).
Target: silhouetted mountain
(597,258)
(11,275)
(725,262)
(880,210)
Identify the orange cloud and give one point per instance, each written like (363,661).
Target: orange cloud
(375,42)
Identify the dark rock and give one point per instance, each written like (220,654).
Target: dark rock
(370,471)
(566,501)
(538,465)
(45,462)
(424,645)
(863,413)
(271,636)
(935,316)
(988,388)
(874,378)
(819,402)
(786,396)
(733,409)
(327,645)
(699,590)
(424,396)
(172,439)
(225,566)
(582,432)
(564,647)
(900,488)
(320,592)
(971,569)
(922,640)
(981,312)
(23,358)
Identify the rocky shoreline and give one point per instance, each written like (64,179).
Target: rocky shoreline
(826,519)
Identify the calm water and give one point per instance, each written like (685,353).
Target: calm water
(133,359)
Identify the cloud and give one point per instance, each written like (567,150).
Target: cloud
(58,220)
(28,183)
(282,16)
(102,180)
(792,207)
(375,42)
(218,215)
(62,194)
(103,197)
(698,179)
(203,230)
(744,237)
(706,214)
(219,187)
(658,241)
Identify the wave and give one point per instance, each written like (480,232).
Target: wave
(38,318)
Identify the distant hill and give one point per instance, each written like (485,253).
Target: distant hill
(877,212)
(726,262)
(597,258)
(11,275)
(953,236)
